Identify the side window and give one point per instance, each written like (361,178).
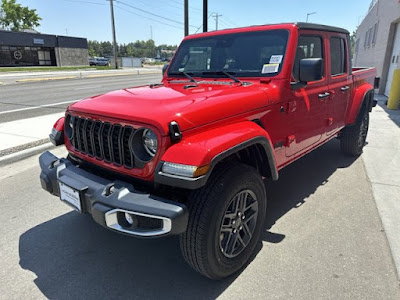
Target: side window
(307,47)
(338,56)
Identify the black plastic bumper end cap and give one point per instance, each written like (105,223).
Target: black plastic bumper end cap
(98,212)
(45,183)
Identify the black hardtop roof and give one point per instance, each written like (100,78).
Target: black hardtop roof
(313,26)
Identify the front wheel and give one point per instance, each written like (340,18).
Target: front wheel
(225,222)
(352,138)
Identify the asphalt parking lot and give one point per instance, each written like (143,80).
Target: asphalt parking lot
(323,240)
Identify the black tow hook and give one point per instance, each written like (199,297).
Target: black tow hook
(109,189)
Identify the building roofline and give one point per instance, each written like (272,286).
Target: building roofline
(39,33)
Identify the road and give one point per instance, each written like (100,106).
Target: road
(323,240)
(25,100)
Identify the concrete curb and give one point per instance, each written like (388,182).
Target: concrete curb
(138,72)
(45,78)
(11,158)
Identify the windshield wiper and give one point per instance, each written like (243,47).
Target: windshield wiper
(186,74)
(228,74)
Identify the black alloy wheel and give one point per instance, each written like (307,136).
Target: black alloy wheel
(238,223)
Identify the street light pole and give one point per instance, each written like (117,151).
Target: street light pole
(309,14)
(113,33)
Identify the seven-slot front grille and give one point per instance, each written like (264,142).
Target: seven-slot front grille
(103,140)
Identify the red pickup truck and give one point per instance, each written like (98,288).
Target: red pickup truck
(188,156)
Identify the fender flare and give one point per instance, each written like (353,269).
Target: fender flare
(362,94)
(210,148)
(57,133)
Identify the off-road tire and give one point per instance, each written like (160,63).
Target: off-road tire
(353,137)
(208,206)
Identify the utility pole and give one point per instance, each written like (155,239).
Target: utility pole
(309,14)
(151,32)
(205,15)
(113,33)
(186,17)
(216,16)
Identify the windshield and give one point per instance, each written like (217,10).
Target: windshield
(248,54)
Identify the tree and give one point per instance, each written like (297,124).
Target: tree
(14,16)
(133,49)
(353,41)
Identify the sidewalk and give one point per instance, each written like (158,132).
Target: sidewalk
(26,133)
(382,162)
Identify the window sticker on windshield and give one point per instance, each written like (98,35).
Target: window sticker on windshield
(270,68)
(276,59)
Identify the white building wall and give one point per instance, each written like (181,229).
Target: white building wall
(385,13)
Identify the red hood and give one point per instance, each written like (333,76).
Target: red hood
(191,107)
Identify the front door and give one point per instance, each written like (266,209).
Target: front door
(307,109)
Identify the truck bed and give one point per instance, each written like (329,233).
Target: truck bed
(363,74)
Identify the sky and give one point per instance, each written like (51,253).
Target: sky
(163,19)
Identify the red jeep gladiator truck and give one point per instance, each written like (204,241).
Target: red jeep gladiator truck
(188,156)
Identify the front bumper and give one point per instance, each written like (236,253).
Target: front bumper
(108,201)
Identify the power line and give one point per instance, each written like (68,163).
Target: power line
(150,13)
(177,10)
(202,24)
(229,21)
(191,7)
(180,7)
(86,2)
(145,17)
(226,24)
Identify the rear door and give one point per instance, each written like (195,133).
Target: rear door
(340,82)
(306,109)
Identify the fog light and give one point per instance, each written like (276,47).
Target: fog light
(128,218)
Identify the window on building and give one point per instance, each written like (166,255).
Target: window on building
(366,40)
(370,36)
(375,34)
(338,56)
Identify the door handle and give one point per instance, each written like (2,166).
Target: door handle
(344,88)
(324,95)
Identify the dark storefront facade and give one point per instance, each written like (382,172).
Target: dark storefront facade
(27,56)
(34,49)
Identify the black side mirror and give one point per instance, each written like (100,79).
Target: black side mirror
(311,69)
(164,68)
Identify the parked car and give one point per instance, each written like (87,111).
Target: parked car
(189,156)
(99,61)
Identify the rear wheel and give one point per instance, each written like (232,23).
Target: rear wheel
(352,138)
(225,222)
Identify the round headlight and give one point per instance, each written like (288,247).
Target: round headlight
(150,142)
